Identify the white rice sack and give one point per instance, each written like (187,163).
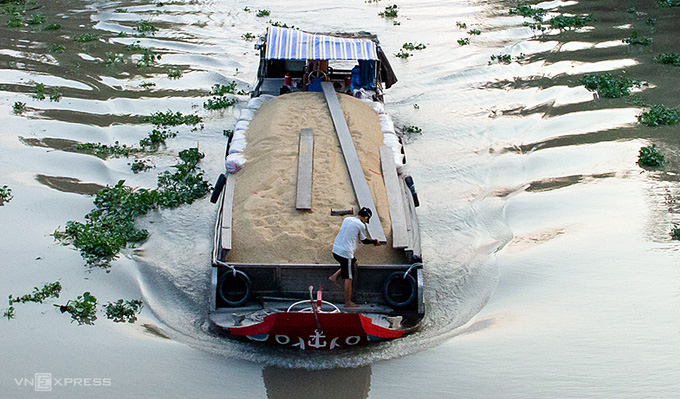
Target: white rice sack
(391,140)
(235,162)
(386,124)
(378,107)
(246,114)
(257,102)
(237,145)
(399,162)
(241,125)
(239,134)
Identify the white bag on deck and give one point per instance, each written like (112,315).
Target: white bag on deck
(246,114)
(235,162)
(257,102)
(241,125)
(237,145)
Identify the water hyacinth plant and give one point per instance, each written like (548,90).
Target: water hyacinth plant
(659,115)
(123,311)
(83,309)
(5,195)
(110,227)
(650,157)
(608,86)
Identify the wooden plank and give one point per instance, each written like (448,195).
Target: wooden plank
(400,236)
(304,176)
(226,212)
(356,172)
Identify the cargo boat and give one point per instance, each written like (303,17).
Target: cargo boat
(314,145)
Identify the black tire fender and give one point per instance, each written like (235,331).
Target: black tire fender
(234,288)
(217,190)
(399,291)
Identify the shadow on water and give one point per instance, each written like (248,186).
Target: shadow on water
(69,184)
(349,383)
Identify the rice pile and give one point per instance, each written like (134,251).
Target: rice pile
(266,226)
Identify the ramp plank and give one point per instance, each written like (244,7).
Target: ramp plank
(400,236)
(226,212)
(356,173)
(304,176)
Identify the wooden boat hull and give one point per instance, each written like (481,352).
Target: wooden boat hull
(301,330)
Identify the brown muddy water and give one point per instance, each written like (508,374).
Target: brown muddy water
(550,270)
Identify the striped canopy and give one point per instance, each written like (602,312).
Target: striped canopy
(291,44)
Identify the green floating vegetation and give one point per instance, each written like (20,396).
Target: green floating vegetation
(636,39)
(464,41)
(140,165)
(391,11)
(83,309)
(157,138)
(659,115)
(668,3)
(113,58)
(650,157)
(675,232)
(111,225)
(174,74)
(461,25)
(56,48)
(49,290)
(55,95)
(403,54)
(220,99)
(474,32)
(86,37)
(280,24)
(248,36)
(609,86)
(52,27)
(410,129)
(145,27)
(529,12)
(149,57)
(39,91)
(5,195)
(173,119)
(15,23)
(669,58)
(123,311)
(217,103)
(18,108)
(36,19)
(500,59)
(412,47)
(564,22)
(104,151)
(263,13)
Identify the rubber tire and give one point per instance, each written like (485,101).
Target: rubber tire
(242,278)
(217,190)
(393,302)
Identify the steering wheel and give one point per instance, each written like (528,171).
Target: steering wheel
(317,74)
(335,309)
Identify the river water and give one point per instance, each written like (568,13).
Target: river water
(550,271)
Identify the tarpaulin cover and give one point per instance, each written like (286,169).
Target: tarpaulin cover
(292,44)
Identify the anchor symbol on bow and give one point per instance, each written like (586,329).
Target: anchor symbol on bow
(316,341)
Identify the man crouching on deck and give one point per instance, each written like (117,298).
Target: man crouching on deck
(352,231)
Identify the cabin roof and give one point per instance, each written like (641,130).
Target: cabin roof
(293,44)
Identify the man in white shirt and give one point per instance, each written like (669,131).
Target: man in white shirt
(352,231)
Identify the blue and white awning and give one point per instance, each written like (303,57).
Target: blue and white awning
(291,44)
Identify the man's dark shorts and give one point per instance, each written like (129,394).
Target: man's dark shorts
(346,272)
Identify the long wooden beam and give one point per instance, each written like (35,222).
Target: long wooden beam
(356,172)
(395,197)
(303,199)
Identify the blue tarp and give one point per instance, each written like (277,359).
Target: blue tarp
(292,44)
